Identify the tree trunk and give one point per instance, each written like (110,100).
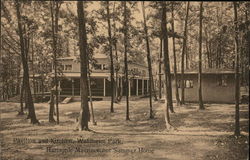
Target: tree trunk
(25,96)
(166,63)
(186,54)
(32,114)
(51,108)
(21,100)
(237,87)
(183,56)
(121,89)
(84,113)
(160,74)
(149,62)
(90,94)
(153,87)
(175,67)
(118,95)
(90,99)
(167,71)
(125,58)
(207,49)
(33,70)
(201,106)
(26,48)
(111,59)
(54,36)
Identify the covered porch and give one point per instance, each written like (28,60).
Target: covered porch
(101,86)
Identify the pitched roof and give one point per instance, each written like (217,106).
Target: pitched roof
(67,58)
(208,71)
(102,56)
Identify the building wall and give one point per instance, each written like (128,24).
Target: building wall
(211,91)
(136,71)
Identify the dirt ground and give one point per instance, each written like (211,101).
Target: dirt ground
(200,135)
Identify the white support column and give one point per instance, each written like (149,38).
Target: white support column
(142,87)
(137,87)
(39,87)
(104,87)
(73,87)
(129,89)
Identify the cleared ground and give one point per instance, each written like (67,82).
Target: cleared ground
(200,135)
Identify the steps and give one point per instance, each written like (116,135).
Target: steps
(67,100)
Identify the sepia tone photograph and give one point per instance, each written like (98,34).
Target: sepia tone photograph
(124,80)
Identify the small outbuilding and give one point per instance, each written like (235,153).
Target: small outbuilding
(218,85)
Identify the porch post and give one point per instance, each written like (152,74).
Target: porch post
(73,87)
(104,87)
(142,86)
(39,86)
(147,85)
(136,87)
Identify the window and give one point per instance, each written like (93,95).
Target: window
(68,67)
(136,71)
(61,67)
(105,67)
(187,83)
(97,66)
(222,80)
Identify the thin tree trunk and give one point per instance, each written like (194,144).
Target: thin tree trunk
(183,56)
(1,60)
(26,48)
(90,100)
(116,57)
(207,49)
(160,74)
(153,87)
(18,81)
(111,59)
(121,89)
(237,87)
(33,70)
(84,113)
(166,63)
(201,106)
(175,67)
(21,100)
(54,36)
(125,58)
(186,55)
(51,108)
(30,104)
(167,72)
(149,62)
(25,97)
(90,94)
